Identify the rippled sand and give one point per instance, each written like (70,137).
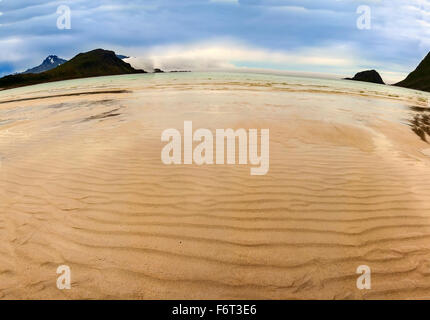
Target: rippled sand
(82,184)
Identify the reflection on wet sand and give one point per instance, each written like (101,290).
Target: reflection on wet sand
(420,122)
(66,95)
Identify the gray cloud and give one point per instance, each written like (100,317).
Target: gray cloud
(399,37)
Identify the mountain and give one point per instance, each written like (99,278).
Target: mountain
(418,79)
(49,63)
(94,63)
(368,76)
(120,56)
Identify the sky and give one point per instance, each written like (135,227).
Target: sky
(311,36)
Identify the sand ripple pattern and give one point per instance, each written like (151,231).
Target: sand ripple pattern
(82,184)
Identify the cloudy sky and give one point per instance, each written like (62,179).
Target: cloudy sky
(316,36)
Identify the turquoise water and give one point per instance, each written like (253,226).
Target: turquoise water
(280,81)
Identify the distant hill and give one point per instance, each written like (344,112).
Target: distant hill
(418,79)
(49,63)
(368,76)
(94,63)
(120,56)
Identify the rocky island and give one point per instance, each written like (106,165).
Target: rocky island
(368,76)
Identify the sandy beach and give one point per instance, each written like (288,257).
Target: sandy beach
(82,184)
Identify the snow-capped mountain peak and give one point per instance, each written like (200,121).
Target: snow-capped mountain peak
(49,63)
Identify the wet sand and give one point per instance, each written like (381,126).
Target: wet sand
(82,184)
